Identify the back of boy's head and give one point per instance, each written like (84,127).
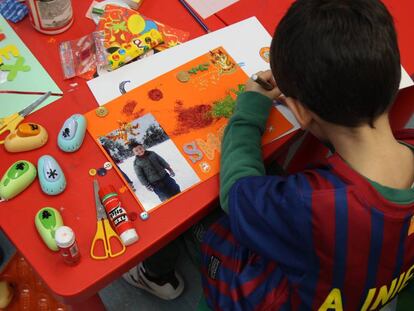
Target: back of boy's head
(339,58)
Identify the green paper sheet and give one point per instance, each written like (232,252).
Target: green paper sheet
(35,80)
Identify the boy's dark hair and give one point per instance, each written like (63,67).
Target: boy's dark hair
(339,58)
(134,144)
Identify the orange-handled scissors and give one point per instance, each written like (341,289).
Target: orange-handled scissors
(11,122)
(104,232)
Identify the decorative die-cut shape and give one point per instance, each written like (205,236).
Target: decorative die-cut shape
(144,215)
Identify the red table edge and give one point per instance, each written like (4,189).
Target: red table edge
(84,293)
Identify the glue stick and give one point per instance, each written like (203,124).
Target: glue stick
(118,215)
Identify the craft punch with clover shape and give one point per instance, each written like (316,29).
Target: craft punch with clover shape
(47,220)
(51,177)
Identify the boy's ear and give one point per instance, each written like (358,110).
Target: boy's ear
(302,114)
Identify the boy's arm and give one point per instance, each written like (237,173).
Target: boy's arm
(241,153)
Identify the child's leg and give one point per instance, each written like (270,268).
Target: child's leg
(170,186)
(194,236)
(157,274)
(193,239)
(160,192)
(166,188)
(164,261)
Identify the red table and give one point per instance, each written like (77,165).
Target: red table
(76,285)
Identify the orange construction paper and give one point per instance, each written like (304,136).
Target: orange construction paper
(185,110)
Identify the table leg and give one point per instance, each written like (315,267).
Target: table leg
(93,303)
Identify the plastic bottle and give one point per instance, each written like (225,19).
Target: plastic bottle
(68,248)
(118,215)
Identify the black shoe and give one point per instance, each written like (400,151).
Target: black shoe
(167,287)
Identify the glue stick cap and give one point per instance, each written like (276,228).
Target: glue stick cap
(106,192)
(129,237)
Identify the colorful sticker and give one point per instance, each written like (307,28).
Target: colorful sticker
(265,54)
(190,115)
(193,152)
(155,94)
(13,69)
(222,61)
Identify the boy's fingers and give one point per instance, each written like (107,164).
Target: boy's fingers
(266,75)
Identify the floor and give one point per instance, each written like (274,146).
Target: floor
(121,296)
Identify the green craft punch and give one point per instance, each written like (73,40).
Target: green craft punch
(47,220)
(18,177)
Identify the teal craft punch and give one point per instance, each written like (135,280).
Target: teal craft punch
(72,133)
(17,178)
(51,177)
(47,220)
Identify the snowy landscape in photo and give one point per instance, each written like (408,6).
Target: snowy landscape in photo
(184,174)
(147,131)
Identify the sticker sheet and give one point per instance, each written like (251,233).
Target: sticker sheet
(165,136)
(122,25)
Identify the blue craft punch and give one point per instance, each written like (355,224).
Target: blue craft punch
(51,177)
(72,133)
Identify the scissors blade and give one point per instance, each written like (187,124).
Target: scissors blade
(100,210)
(36,103)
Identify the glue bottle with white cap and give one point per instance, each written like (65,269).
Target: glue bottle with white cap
(118,215)
(66,242)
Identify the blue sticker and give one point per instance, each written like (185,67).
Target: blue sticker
(144,215)
(149,25)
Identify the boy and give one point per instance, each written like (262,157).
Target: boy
(151,170)
(156,274)
(339,236)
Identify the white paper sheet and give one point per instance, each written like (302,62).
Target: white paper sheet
(207,8)
(244,51)
(406,81)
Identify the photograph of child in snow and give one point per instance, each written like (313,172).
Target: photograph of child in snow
(149,161)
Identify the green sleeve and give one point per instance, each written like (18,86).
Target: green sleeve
(241,151)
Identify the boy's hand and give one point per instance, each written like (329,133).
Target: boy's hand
(150,188)
(253,86)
